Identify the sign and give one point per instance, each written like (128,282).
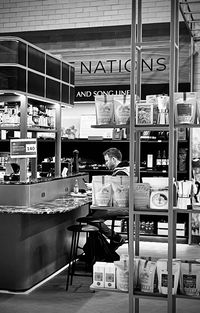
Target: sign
(23,148)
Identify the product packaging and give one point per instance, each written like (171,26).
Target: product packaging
(144,113)
(110,275)
(190,278)
(141,196)
(185,107)
(99,274)
(146,277)
(120,191)
(104,110)
(122,273)
(101,191)
(121,109)
(162,273)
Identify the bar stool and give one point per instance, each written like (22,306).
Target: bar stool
(89,230)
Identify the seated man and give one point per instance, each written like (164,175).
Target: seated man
(113,161)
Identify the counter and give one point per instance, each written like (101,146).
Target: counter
(34,239)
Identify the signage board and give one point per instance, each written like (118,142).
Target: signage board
(23,148)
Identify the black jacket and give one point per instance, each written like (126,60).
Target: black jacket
(122,168)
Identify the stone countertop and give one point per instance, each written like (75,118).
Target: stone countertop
(61,204)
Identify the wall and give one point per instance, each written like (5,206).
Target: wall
(28,15)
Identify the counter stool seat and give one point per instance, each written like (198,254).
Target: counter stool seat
(88,219)
(76,229)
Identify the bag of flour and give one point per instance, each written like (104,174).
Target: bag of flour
(101,191)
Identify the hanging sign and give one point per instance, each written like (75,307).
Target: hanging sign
(23,148)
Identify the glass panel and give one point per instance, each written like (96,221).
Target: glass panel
(36,59)
(8,52)
(72,74)
(71,95)
(53,67)
(65,93)
(65,72)
(36,84)
(52,89)
(22,53)
(12,78)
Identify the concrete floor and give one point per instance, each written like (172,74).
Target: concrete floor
(52,297)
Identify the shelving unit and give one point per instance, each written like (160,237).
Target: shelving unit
(137,48)
(34,87)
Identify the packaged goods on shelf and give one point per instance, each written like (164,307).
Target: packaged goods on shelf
(104,109)
(121,109)
(163,229)
(186,107)
(120,191)
(122,273)
(141,195)
(99,274)
(162,273)
(110,275)
(146,275)
(110,190)
(160,108)
(144,113)
(190,278)
(101,191)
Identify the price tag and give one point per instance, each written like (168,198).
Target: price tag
(23,148)
(31,147)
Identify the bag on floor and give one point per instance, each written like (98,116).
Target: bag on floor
(97,248)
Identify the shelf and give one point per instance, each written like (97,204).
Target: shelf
(111,126)
(145,295)
(29,129)
(82,140)
(187,125)
(106,289)
(152,127)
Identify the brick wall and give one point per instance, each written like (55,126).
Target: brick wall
(28,15)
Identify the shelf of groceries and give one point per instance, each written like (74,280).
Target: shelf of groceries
(150,277)
(150,198)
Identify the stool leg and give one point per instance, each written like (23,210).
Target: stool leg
(76,241)
(112,230)
(71,257)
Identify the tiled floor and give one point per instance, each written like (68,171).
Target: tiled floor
(52,297)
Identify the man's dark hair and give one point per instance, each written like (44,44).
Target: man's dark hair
(113,152)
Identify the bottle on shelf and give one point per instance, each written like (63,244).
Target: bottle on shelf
(76,186)
(164,161)
(159,161)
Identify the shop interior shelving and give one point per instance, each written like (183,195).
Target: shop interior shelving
(33,78)
(137,47)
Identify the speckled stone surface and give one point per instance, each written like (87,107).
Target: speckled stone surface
(61,204)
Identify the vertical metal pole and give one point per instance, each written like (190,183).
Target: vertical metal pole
(139,51)
(23,134)
(131,154)
(58,142)
(172,76)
